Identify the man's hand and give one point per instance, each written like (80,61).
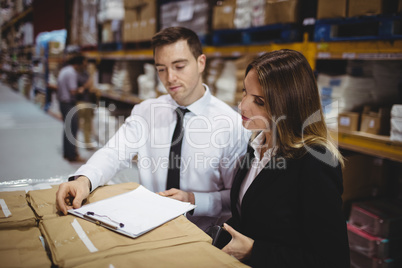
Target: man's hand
(179,195)
(71,194)
(240,246)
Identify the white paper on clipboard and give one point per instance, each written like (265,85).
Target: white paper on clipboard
(139,211)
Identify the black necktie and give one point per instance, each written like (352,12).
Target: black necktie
(173,178)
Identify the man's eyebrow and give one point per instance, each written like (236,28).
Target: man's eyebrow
(174,62)
(180,61)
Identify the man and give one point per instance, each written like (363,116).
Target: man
(67,89)
(212,142)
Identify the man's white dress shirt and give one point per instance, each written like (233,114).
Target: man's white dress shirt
(213,141)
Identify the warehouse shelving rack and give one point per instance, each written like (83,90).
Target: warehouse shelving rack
(375,145)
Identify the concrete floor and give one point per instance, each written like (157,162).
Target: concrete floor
(31,144)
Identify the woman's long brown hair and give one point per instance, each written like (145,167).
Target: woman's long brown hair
(293,102)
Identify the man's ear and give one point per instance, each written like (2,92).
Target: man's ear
(201,61)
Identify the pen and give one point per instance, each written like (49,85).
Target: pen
(101,223)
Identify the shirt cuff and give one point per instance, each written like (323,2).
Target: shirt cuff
(74,177)
(206,206)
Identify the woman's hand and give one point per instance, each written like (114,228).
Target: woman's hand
(240,246)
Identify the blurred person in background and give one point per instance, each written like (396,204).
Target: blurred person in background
(212,142)
(286,196)
(67,90)
(86,102)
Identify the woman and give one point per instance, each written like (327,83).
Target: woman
(286,196)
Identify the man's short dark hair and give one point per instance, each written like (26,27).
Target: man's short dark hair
(171,35)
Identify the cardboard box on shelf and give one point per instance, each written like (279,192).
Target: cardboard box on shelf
(327,9)
(140,20)
(348,121)
(223,15)
(363,177)
(375,122)
(130,33)
(194,15)
(147,26)
(282,11)
(371,7)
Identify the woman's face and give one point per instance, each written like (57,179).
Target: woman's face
(252,106)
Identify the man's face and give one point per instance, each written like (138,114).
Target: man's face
(180,72)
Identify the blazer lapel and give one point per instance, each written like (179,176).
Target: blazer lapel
(267,176)
(239,177)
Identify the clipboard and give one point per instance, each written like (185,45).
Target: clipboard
(133,213)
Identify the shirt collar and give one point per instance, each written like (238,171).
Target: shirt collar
(257,143)
(198,107)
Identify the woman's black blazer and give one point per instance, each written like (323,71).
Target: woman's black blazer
(293,213)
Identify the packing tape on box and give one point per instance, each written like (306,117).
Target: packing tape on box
(85,239)
(4,207)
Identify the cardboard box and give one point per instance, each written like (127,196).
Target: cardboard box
(371,123)
(22,248)
(327,9)
(282,11)
(194,15)
(129,33)
(68,250)
(15,211)
(223,15)
(371,7)
(140,20)
(348,121)
(197,254)
(376,122)
(147,27)
(363,177)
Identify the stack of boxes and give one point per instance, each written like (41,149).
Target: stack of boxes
(190,13)
(242,14)
(328,9)
(84,27)
(21,245)
(110,15)
(375,234)
(139,21)
(372,122)
(23,33)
